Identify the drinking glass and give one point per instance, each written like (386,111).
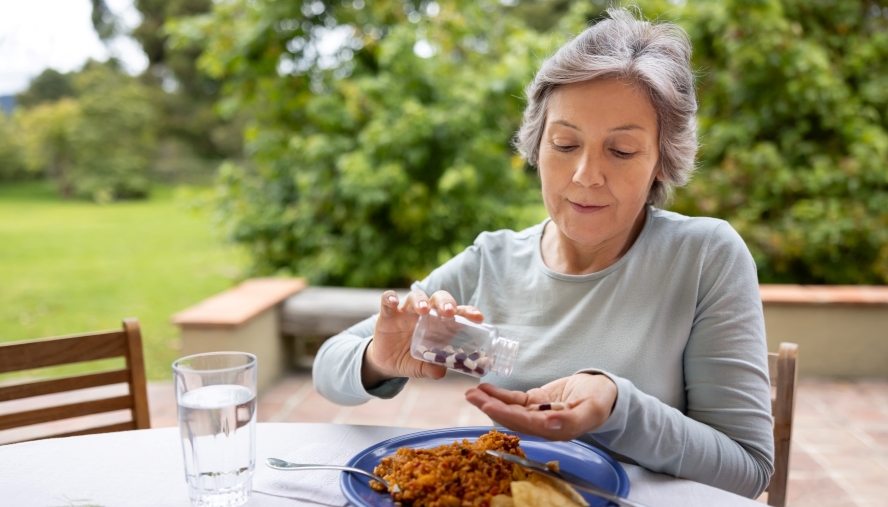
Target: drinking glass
(216,397)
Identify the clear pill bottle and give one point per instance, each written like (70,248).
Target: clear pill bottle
(462,345)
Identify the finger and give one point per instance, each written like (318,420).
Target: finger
(470,312)
(477,397)
(417,302)
(538,395)
(444,303)
(388,305)
(504,395)
(561,425)
(429,370)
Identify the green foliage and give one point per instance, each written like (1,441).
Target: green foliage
(49,86)
(794,128)
(12,156)
(98,146)
(185,97)
(104,21)
(371,165)
(47,132)
(115,138)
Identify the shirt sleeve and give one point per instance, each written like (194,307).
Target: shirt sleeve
(725,439)
(336,372)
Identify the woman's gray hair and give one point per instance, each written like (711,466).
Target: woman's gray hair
(655,57)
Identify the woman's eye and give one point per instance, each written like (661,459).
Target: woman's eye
(622,154)
(564,148)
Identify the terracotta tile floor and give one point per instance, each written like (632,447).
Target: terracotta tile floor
(840,441)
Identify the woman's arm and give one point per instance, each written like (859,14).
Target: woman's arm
(336,372)
(372,359)
(725,438)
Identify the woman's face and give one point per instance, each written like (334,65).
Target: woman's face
(597,159)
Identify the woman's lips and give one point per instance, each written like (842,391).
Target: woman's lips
(579,208)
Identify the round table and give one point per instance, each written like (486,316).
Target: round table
(136,468)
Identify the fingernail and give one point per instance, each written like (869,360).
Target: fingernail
(553,424)
(392,299)
(423,304)
(448,306)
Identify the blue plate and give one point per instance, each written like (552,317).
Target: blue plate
(576,457)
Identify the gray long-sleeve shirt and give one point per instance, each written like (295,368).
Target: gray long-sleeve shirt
(677,323)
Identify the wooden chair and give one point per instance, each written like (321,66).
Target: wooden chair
(127,343)
(783,371)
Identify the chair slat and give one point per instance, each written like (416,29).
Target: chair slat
(785,366)
(135,363)
(65,411)
(27,355)
(125,426)
(60,385)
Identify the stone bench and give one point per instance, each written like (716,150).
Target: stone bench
(317,313)
(247,319)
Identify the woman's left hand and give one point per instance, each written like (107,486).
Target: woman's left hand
(587,400)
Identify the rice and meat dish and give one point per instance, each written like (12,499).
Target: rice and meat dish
(455,475)
(462,474)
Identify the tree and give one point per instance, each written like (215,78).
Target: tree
(99,145)
(48,132)
(185,96)
(378,135)
(49,86)
(12,157)
(116,136)
(375,160)
(793,101)
(793,123)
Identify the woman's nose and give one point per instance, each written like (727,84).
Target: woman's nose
(588,173)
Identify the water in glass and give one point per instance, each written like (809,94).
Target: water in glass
(217,423)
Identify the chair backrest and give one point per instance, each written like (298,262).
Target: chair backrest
(26,355)
(783,371)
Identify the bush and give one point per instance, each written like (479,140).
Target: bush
(12,157)
(115,139)
(373,165)
(793,99)
(98,145)
(48,132)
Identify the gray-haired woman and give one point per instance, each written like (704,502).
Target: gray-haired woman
(647,325)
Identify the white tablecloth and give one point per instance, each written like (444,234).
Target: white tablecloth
(144,468)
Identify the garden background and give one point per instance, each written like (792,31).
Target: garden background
(364,143)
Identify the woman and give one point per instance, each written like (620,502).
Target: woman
(646,324)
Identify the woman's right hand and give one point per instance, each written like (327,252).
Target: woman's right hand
(388,354)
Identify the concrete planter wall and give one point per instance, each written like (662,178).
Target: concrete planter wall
(247,319)
(842,331)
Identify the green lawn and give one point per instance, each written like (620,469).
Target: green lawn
(70,267)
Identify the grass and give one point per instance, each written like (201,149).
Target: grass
(71,266)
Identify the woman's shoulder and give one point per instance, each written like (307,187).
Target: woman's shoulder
(707,232)
(508,239)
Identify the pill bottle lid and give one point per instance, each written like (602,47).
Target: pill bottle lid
(504,352)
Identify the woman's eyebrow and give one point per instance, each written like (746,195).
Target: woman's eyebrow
(566,124)
(630,126)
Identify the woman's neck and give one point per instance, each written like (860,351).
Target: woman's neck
(564,255)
